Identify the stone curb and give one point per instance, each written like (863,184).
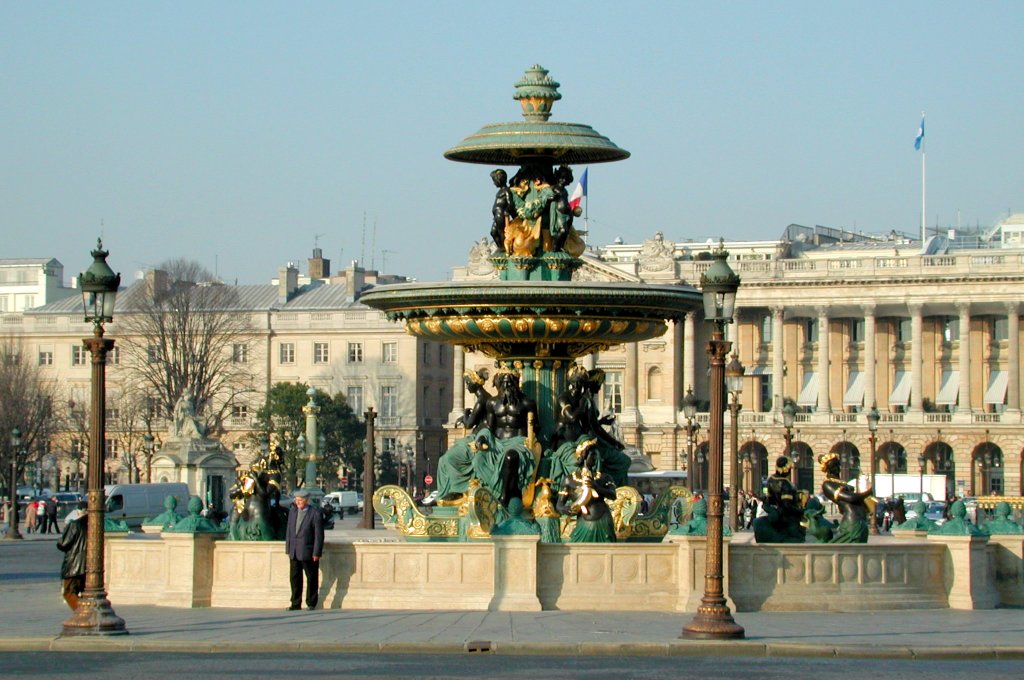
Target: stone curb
(679,648)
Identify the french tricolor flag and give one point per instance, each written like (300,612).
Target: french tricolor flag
(580,192)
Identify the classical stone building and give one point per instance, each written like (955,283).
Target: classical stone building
(304,329)
(837,322)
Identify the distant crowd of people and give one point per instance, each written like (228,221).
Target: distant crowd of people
(41,516)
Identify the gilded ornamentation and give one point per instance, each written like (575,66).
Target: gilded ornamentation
(398,510)
(457,326)
(619,326)
(434,326)
(486,325)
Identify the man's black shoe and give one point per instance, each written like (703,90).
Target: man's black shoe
(294,608)
(311,607)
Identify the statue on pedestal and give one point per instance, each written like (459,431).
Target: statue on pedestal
(782,523)
(256,513)
(195,523)
(583,496)
(957,524)
(168,518)
(853,527)
(184,425)
(1002,524)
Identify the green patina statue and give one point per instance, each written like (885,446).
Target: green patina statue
(256,513)
(195,523)
(517,523)
(819,529)
(583,495)
(168,518)
(918,522)
(1002,524)
(957,524)
(698,524)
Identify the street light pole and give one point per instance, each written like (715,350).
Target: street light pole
(734,383)
(690,411)
(872,417)
(368,476)
(788,416)
(713,619)
(94,615)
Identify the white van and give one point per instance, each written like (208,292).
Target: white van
(343,501)
(135,503)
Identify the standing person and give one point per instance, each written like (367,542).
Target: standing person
(30,516)
(304,543)
(51,515)
(72,544)
(41,516)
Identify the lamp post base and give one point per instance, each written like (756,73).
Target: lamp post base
(713,622)
(94,616)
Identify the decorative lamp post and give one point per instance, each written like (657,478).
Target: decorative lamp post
(12,513)
(794,459)
(734,384)
(713,619)
(872,417)
(893,460)
(690,411)
(788,417)
(321,448)
(149,444)
(700,458)
(311,410)
(368,478)
(94,615)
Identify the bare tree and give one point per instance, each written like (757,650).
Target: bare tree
(128,427)
(183,333)
(27,402)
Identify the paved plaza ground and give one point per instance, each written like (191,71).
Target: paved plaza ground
(30,599)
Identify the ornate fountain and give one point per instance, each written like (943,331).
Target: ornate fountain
(535,321)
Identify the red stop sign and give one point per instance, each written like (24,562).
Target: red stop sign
(343,481)
(427,479)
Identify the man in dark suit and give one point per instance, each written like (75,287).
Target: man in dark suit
(304,543)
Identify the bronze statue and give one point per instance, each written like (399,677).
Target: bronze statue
(502,210)
(783,508)
(584,494)
(256,500)
(1002,524)
(853,527)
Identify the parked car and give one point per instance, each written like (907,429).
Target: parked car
(344,501)
(135,503)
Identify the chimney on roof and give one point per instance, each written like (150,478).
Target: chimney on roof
(355,281)
(287,282)
(156,282)
(319,268)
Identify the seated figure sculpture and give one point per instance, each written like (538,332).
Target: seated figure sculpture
(502,453)
(853,527)
(784,511)
(578,421)
(584,494)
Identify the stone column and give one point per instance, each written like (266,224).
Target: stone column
(678,389)
(870,398)
(916,352)
(965,357)
(689,351)
(824,399)
(458,387)
(630,375)
(1013,357)
(515,574)
(778,363)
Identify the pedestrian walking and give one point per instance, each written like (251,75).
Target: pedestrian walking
(304,543)
(72,544)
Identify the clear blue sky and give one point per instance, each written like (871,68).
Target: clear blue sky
(234,133)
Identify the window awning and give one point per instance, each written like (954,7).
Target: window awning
(949,389)
(809,391)
(901,389)
(855,390)
(996,391)
(758,370)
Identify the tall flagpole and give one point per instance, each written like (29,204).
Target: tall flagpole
(923,193)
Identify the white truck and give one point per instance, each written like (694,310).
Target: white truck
(910,487)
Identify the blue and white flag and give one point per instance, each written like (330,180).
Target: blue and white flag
(920,135)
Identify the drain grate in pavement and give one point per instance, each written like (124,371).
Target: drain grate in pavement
(483,646)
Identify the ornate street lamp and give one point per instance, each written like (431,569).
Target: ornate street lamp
(872,417)
(734,384)
(713,619)
(920,478)
(94,615)
(12,514)
(690,411)
(368,478)
(788,417)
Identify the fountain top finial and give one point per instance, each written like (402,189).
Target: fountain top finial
(537,92)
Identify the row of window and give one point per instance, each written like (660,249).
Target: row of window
(949,326)
(322,353)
